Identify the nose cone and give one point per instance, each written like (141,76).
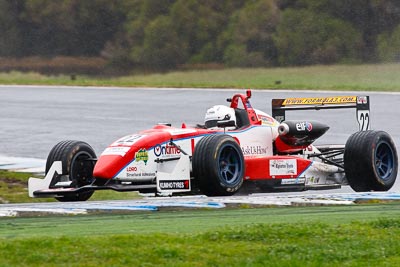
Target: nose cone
(108,166)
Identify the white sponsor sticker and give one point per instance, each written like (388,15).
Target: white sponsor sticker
(283,167)
(181,131)
(117,150)
(362,100)
(174,184)
(293,181)
(128,140)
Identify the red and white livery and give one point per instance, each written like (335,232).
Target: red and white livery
(238,149)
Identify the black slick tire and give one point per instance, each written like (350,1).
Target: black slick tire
(218,165)
(77,159)
(370,161)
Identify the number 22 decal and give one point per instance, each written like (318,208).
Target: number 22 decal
(363,119)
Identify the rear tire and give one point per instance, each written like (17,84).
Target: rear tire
(77,164)
(370,161)
(218,165)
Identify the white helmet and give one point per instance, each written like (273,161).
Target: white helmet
(219,113)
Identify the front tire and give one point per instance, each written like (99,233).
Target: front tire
(77,159)
(370,161)
(218,165)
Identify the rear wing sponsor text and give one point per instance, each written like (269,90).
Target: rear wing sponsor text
(360,103)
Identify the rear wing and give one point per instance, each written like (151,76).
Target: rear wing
(360,103)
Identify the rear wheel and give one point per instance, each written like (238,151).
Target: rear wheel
(77,159)
(370,161)
(218,165)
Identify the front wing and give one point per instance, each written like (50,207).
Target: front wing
(177,181)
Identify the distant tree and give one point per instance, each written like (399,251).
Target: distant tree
(250,35)
(151,9)
(163,34)
(93,24)
(369,17)
(194,26)
(184,18)
(305,38)
(70,27)
(162,48)
(200,23)
(126,49)
(388,46)
(11,28)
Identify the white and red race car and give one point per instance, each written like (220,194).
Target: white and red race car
(239,149)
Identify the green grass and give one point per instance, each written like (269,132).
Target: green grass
(190,221)
(373,77)
(362,235)
(13,187)
(356,235)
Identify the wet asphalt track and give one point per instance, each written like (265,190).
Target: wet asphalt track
(34,118)
(192,202)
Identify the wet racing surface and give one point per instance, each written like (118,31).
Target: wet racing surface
(191,202)
(34,118)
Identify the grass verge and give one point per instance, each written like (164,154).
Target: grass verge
(372,77)
(362,235)
(358,235)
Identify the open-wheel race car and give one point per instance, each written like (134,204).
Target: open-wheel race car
(237,149)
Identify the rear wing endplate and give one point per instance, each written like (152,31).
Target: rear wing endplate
(360,103)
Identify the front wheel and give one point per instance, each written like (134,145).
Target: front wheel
(77,166)
(370,161)
(218,165)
